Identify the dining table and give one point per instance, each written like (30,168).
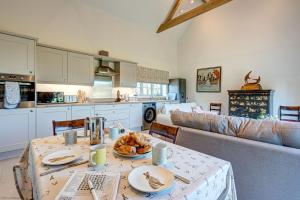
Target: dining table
(210,178)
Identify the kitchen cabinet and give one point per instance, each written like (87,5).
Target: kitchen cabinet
(45,116)
(127,76)
(17,55)
(52,65)
(136,116)
(114,114)
(82,112)
(17,128)
(63,67)
(80,69)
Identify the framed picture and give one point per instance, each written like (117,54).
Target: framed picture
(209,79)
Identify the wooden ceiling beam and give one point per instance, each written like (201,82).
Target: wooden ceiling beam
(169,22)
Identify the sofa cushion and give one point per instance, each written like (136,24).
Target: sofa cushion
(191,120)
(185,107)
(260,130)
(290,133)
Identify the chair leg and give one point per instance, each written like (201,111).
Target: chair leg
(15,168)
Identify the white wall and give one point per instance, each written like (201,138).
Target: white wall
(244,35)
(91,25)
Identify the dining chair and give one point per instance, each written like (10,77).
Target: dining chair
(21,176)
(59,126)
(215,107)
(289,113)
(167,132)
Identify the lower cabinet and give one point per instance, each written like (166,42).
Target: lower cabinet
(82,112)
(17,128)
(136,116)
(45,117)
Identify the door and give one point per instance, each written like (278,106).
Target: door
(136,116)
(52,65)
(17,128)
(80,69)
(82,112)
(17,55)
(45,116)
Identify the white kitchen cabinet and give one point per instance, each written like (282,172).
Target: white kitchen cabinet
(52,65)
(45,116)
(114,114)
(136,116)
(17,55)
(80,69)
(127,76)
(17,128)
(82,112)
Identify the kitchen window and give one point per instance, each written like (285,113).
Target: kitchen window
(151,89)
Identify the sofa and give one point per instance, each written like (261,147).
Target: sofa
(265,154)
(164,114)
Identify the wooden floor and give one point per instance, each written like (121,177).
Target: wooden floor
(7,185)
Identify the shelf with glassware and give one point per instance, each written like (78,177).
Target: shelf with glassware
(254,104)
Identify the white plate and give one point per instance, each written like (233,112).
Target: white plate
(139,182)
(130,155)
(58,154)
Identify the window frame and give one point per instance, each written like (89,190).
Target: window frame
(140,89)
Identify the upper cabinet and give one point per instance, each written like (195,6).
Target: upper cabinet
(64,67)
(17,55)
(80,69)
(52,65)
(127,76)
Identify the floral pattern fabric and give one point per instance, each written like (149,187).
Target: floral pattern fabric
(211,178)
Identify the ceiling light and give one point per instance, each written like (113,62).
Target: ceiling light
(181,10)
(192,1)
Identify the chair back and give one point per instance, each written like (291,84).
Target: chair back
(289,113)
(216,107)
(167,132)
(59,126)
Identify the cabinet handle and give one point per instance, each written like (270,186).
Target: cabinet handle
(30,72)
(31,110)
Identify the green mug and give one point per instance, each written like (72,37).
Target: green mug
(98,155)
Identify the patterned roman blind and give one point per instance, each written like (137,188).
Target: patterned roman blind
(148,75)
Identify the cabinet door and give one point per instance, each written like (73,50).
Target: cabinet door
(136,116)
(82,112)
(17,55)
(17,128)
(52,65)
(45,117)
(127,76)
(80,69)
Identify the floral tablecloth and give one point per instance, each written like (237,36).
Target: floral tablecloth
(211,178)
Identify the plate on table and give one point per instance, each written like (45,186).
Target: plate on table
(60,157)
(138,180)
(136,155)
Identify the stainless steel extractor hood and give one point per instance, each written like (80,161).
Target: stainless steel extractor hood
(105,70)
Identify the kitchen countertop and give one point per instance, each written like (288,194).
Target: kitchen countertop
(46,105)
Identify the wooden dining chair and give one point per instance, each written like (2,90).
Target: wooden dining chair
(289,113)
(215,107)
(59,126)
(169,133)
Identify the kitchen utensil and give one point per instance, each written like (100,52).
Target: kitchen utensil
(65,167)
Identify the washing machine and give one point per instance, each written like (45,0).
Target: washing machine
(149,114)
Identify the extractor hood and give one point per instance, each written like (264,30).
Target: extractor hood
(105,70)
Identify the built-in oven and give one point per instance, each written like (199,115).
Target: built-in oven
(27,89)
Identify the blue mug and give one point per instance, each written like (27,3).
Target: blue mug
(114,133)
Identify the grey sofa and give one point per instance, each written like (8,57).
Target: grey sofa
(262,171)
